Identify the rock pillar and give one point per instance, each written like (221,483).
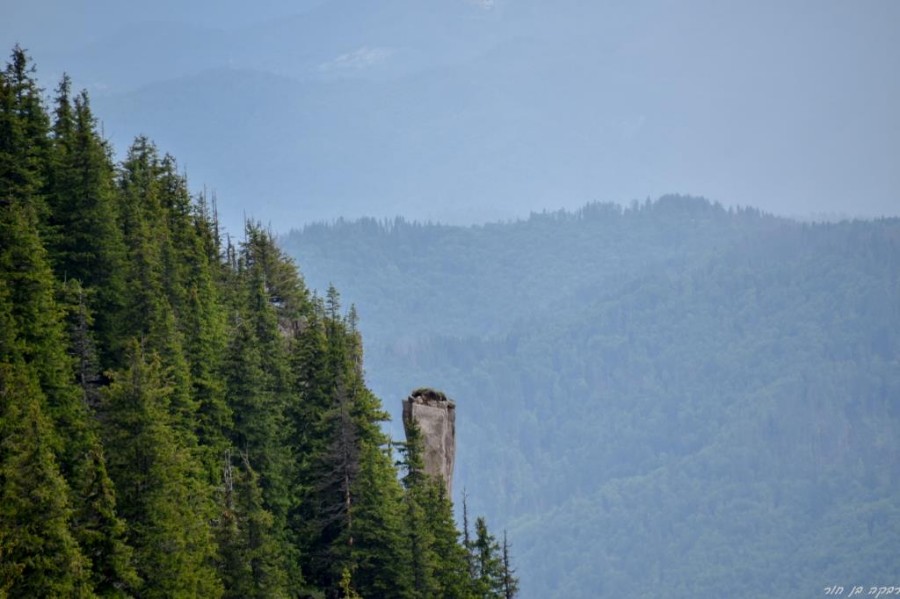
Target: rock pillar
(436,417)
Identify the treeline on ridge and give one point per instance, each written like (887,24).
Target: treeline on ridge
(179,414)
(673,399)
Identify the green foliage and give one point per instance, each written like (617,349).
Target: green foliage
(248,552)
(379,554)
(84,241)
(440,562)
(161,492)
(24,143)
(179,419)
(489,575)
(40,555)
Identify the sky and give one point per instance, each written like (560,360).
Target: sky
(467,111)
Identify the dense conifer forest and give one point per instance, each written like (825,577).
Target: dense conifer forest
(670,399)
(180,416)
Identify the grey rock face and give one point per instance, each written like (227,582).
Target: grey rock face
(436,417)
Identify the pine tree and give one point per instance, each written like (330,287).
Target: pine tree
(258,383)
(24,144)
(161,489)
(42,341)
(420,537)
(85,241)
(248,553)
(40,554)
(510,581)
(488,562)
(379,554)
(439,561)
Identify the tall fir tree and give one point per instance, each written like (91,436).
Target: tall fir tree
(24,142)
(258,382)
(489,582)
(380,557)
(438,559)
(250,563)
(41,557)
(85,241)
(510,580)
(419,535)
(162,491)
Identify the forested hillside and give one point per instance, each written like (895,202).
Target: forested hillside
(666,400)
(179,415)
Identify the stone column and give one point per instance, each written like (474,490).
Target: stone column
(436,417)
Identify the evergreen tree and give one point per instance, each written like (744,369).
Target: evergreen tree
(489,580)
(420,537)
(451,571)
(24,144)
(329,509)
(258,385)
(351,509)
(85,241)
(152,297)
(143,228)
(248,554)
(40,554)
(467,538)
(258,430)
(438,560)
(203,323)
(510,581)
(174,422)
(161,490)
(379,554)
(39,322)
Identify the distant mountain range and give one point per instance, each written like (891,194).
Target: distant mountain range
(672,400)
(463,111)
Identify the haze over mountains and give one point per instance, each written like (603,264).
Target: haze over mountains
(677,398)
(464,111)
(673,400)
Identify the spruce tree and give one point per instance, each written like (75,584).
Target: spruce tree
(420,537)
(40,554)
(439,561)
(24,143)
(258,385)
(178,423)
(451,572)
(510,581)
(379,554)
(250,563)
(488,562)
(85,241)
(162,492)
(39,320)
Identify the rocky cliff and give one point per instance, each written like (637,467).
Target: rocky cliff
(435,416)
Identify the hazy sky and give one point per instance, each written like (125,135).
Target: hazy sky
(465,110)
